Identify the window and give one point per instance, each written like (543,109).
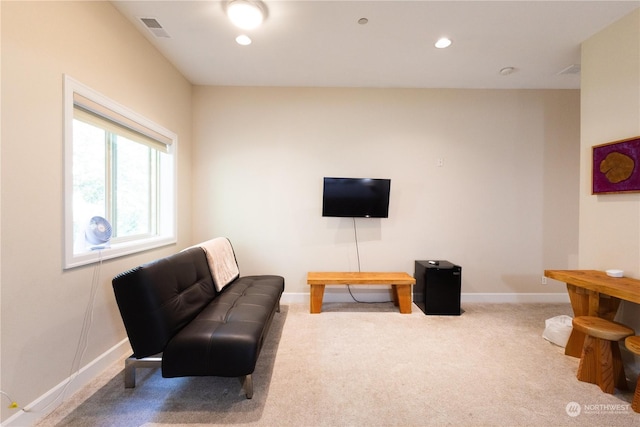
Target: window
(118,166)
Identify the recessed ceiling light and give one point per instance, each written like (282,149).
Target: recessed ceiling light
(245,14)
(362,21)
(443,43)
(243,40)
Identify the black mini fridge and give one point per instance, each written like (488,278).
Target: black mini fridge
(437,288)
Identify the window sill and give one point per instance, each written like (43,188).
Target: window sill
(116,250)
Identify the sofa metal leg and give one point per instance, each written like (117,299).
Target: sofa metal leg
(130,372)
(131,363)
(247,385)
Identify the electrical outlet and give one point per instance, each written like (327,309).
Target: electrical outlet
(543,280)
(440,162)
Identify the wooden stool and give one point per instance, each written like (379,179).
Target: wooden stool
(600,362)
(633,345)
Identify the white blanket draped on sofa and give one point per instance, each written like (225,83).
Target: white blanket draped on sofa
(222,261)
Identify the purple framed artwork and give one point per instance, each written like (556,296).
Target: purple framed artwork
(616,167)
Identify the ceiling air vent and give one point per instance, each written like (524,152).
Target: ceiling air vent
(571,69)
(154,26)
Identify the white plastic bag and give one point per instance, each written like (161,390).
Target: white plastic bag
(557,330)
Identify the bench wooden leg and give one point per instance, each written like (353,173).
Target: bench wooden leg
(635,404)
(315,298)
(402,295)
(588,361)
(601,364)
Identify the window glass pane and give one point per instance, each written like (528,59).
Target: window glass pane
(133,185)
(89,195)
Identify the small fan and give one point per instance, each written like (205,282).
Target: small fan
(98,233)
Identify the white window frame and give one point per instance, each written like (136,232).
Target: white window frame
(167,227)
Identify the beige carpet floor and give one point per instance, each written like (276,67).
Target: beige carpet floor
(368,365)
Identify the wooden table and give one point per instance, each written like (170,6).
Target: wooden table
(400,283)
(593,293)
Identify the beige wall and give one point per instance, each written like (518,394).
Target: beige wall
(610,224)
(43,307)
(504,205)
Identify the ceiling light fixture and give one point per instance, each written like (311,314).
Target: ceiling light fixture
(245,14)
(443,42)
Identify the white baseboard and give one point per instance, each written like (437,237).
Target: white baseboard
(560,297)
(377,295)
(45,404)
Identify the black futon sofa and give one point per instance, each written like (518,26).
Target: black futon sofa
(194,315)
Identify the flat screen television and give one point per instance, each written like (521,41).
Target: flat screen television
(356,197)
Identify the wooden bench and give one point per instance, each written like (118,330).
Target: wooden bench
(400,283)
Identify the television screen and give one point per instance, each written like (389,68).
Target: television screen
(356,197)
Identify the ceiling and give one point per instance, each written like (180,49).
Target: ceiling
(321,44)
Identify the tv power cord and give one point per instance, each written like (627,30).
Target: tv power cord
(355,234)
